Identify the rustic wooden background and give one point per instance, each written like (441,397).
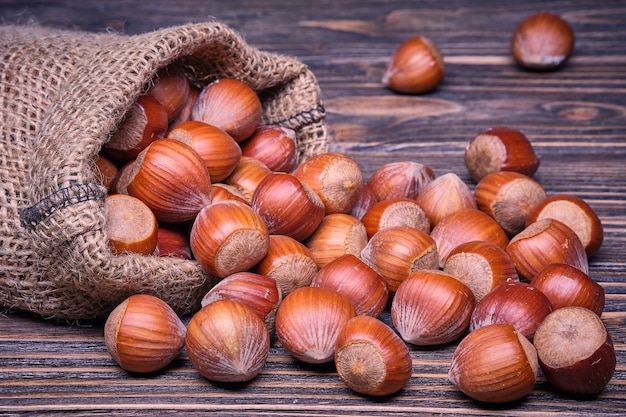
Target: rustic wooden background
(575,117)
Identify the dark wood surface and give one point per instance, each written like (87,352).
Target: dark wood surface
(575,117)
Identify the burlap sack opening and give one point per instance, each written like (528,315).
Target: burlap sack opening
(62,94)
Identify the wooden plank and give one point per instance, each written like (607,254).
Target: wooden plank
(575,117)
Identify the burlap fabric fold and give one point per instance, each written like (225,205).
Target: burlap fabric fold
(62,95)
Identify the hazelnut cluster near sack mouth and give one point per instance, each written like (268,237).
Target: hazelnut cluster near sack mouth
(309,256)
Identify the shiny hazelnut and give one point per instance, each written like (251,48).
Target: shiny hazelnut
(173,241)
(143,334)
(574,212)
(402,179)
(567,286)
(247,175)
(287,205)
(221,192)
(370,357)
(170,87)
(395,212)
(228,237)
(431,307)
(336,178)
(445,195)
(494,364)
(275,146)
(130,225)
(575,350)
(364,202)
(481,266)
(337,234)
(508,197)
(172,179)
(397,252)
(309,320)
(364,287)
(463,226)
(289,262)
(145,121)
(218,149)
(230,105)
(543,41)
(227,342)
(545,242)
(516,303)
(500,148)
(415,67)
(258,292)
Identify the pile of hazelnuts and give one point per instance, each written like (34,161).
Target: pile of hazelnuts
(309,255)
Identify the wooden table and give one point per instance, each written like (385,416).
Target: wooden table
(575,117)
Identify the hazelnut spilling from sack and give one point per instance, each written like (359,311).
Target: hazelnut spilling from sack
(63,94)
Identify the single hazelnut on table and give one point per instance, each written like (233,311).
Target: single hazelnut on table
(402,179)
(516,303)
(480,265)
(143,334)
(545,242)
(463,226)
(289,262)
(494,364)
(227,342)
(500,148)
(172,179)
(337,234)
(336,178)
(230,105)
(542,41)
(275,146)
(415,67)
(574,212)
(371,359)
(566,286)
(309,320)
(508,197)
(130,225)
(218,149)
(145,121)
(287,205)
(445,195)
(228,237)
(431,307)
(364,287)
(395,212)
(575,351)
(397,252)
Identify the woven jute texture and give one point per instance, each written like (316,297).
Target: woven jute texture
(62,95)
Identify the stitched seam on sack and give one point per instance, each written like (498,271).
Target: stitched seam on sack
(74,194)
(304,118)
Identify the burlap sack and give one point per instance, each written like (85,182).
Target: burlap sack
(62,95)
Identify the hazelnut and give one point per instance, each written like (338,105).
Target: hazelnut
(508,197)
(275,146)
(494,364)
(415,67)
(542,41)
(445,195)
(567,286)
(500,148)
(516,303)
(395,212)
(170,87)
(402,179)
(173,241)
(130,225)
(143,334)
(247,175)
(337,234)
(227,342)
(230,105)
(575,351)
(370,357)
(545,242)
(431,307)
(364,202)
(364,287)
(309,320)
(574,212)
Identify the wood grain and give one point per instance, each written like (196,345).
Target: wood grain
(575,118)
